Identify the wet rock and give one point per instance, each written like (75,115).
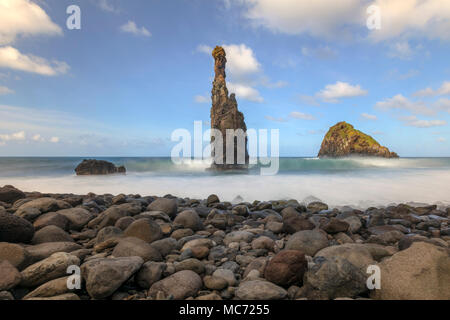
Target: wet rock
(14,229)
(51,234)
(78,217)
(15,254)
(286,268)
(215,283)
(51,219)
(316,206)
(180,285)
(333,278)
(97,167)
(130,247)
(168,206)
(189,219)
(150,273)
(190,264)
(212,199)
(260,290)
(263,242)
(309,241)
(336,226)
(104,276)
(9,276)
(356,254)
(48,269)
(9,194)
(295,224)
(421,272)
(42,251)
(144,229)
(238,236)
(50,289)
(225,274)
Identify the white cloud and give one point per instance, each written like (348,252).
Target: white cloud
(441,139)
(443,90)
(5,90)
(333,92)
(245,92)
(37,138)
(413,18)
(401,50)
(204,49)
(317,18)
(270,118)
(443,105)
(24,18)
(322,53)
(18,136)
(131,27)
(413,121)
(105,5)
(241,61)
(369,116)
(54,139)
(13,59)
(202,99)
(399,102)
(325,18)
(301,115)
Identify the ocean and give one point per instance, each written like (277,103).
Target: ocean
(357,182)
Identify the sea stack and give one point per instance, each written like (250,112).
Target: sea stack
(225,115)
(343,140)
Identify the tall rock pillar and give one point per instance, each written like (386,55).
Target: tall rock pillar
(225,115)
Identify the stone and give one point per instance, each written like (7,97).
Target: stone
(263,242)
(354,223)
(44,250)
(260,290)
(190,264)
(421,272)
(289,212)
(52,288)
(344,140)
(181,233)
(238,236)
(180,285)
(226,274)
(333,278)
(97,167)
(200,252)
(275,227)
(150,273)
(225,115)
(124,222)
(317,206)
(108,233)
(129,247)
(48,269)
(356,254)
(104,276)
(286,268)
(336,226)
(308,241)
(165,246)
(14,229)
(9,194)
(215,283)
(212,199)
(15,254)
(202,242)
(255,264)
(295,224)
(189,219)
(168,206)
(44,205)
(62,297)
(51,219)
(78,217)
(5,295)
(51,234)
(144,229)
(9,276)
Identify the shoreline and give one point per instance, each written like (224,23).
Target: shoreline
(179,248)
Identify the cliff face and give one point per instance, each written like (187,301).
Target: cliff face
(224,113)
(344,140)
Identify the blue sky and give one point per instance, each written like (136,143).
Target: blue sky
(137,70)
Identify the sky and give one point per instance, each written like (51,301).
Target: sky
(137,70)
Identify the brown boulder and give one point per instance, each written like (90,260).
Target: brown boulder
(286,268)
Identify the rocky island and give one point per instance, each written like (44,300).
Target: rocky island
(225,114)
(97,167)
(133,247)
(343,140)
